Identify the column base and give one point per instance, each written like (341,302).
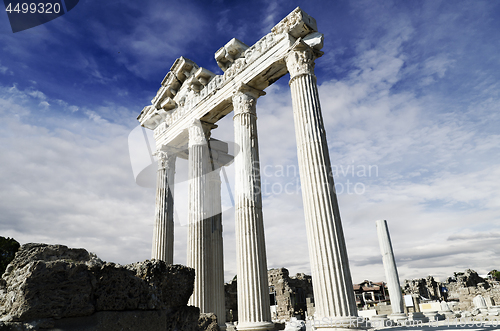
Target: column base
(398,317)
(350,323)
(258,326)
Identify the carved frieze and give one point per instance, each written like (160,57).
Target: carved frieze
(186,85)
(298,24)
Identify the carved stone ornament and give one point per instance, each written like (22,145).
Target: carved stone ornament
(199,132)
(244,99)
(300,61)
(165,159)
(288,22)
(297,24)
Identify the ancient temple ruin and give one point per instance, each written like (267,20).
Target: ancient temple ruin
(183,113)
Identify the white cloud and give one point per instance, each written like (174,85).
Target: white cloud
(3,69)
(44,104)
(70,184)
(156,38)
(66,178)
(35,94)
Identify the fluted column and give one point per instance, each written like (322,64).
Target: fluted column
(217,263)
(333,292)
(199,220)
(391,272)
(253,290)
(163,235)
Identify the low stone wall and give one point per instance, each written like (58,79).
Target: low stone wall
(60,288)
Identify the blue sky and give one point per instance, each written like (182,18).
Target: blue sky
(409,90)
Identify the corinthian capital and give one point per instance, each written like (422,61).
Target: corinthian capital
(166,160)
(245,99)
(199,132)
(300,60)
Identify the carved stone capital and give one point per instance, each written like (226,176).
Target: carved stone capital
(166,159)
(245,99)
(300,60)
(199,132)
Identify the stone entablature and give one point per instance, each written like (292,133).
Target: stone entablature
(189,92)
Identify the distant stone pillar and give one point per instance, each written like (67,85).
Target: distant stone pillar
(333,291)
(253,289)
(217,268)
(391,272)
(163,235)
(199,222)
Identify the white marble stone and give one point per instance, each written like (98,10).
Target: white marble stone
(163,235)
(333,291)
(391,271)
(216,242)
(253,291)
(479,302)
(199,224)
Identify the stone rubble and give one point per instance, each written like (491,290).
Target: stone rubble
(53,286)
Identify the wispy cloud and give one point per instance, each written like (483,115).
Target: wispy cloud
(409,88)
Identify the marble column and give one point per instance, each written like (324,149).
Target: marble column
(253,289)
(163,235)
(199,220)
(217,262)
(391,272)
(333,292)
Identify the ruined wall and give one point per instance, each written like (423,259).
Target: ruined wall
(293,295)
(56,287)
(462,287)
(424,287)
(231,294)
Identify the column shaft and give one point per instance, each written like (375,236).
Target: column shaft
(218,299)
(333,292)
(163,235)
(253,288)
(199,222)
(391,272)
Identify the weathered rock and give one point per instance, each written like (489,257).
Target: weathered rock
(208,322)
(173,290)
(185,319)
(47,281)
(54,281)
